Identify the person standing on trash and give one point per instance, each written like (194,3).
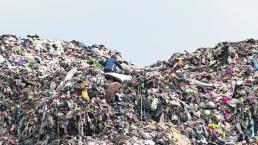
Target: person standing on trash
(111,63)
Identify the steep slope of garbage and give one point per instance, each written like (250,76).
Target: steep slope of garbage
(55,92)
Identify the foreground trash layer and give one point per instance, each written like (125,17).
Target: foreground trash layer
(55,92)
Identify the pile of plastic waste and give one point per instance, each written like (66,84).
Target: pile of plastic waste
(55,92)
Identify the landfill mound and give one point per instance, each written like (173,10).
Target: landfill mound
(55,92)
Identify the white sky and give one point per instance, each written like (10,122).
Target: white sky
(143,30)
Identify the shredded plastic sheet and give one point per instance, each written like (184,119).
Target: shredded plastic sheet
(119,77)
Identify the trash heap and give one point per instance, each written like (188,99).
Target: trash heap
(210,94)
(55,92)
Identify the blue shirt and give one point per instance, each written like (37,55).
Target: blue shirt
(111,63)
(255,63)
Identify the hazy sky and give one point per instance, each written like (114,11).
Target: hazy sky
(143,30)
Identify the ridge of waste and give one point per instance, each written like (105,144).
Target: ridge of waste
(55,92)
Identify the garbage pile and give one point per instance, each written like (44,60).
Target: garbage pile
(211,94)
(55,92)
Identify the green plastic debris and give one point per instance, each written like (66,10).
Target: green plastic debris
(190,106)
(189,91)
(180,58)
(30,97)
(133,127)
(154,104)
(207,112)
(142,85)
(241,99)
(95,64)
(18,106)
